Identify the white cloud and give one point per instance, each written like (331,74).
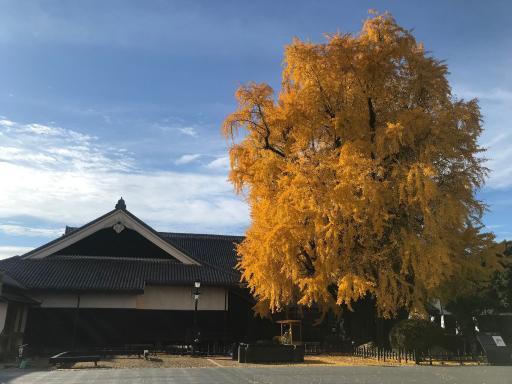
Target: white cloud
(189,131)
(185,159)
(40,146)
(9,251)
(177,126)
(63,177)
(495,104)
(20,230)
(494,94)
(500,164)
(220,163)
(163,198)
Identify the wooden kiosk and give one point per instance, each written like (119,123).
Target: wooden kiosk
(287,331)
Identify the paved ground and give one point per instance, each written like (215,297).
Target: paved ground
(266,375)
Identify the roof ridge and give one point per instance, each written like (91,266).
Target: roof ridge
(69,229)
(196,235)
(110,258)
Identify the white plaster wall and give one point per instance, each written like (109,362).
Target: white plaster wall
(88,300)
(3,315)
(105,300)
(56,300)
(154,297)
(181,298)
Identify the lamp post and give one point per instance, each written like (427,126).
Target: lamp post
(197,286)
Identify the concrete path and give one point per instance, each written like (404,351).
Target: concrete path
(265,375)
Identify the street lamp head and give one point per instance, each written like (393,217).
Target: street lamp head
(197,284)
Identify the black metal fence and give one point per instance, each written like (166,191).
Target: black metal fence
(428,357)
(317,348)
(205,349)
(311,348)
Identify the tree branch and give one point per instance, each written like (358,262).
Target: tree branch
(372,122)
(266,137)
(307,262)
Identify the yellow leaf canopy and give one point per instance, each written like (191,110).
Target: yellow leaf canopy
(361,174)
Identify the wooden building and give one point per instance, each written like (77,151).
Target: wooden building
(116,281)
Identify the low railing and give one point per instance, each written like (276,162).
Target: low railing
(385,354)
(429,357)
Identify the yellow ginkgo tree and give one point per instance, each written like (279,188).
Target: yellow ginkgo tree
(360,175)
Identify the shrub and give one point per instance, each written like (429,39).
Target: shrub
(416,334)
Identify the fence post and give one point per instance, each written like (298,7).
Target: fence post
(399,356)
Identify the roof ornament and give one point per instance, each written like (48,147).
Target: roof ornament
(118,227)
(121,204)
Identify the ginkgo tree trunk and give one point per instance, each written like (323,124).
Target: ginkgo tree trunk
(360,175)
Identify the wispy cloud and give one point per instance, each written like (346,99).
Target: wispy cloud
(177,126)
(494,94)
(8,251)
(20,230)
(220,163)
(42,146)
(496,104)
(60,176)
(189,131)
(185,159)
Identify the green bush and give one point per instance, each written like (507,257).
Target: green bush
(416,334)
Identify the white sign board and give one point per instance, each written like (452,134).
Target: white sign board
(499,341)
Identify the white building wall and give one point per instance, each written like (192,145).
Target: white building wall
(105,300)
(154,297)
(182,298)
(56,300)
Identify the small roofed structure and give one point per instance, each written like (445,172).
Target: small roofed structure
(287,334)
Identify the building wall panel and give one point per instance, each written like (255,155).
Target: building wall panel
(154,298)
(182,299)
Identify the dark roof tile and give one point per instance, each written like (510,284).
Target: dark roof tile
(216,254)
(84,273)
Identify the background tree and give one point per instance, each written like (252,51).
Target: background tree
(481,296)
(360,175)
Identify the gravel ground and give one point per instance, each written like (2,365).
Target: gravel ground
(308,360)
(169,361)
(172,361)
(159,361)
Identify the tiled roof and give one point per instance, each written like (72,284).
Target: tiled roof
(8,280)
(216,250)
(216,255)
(95,273)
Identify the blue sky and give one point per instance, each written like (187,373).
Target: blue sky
(107,98)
